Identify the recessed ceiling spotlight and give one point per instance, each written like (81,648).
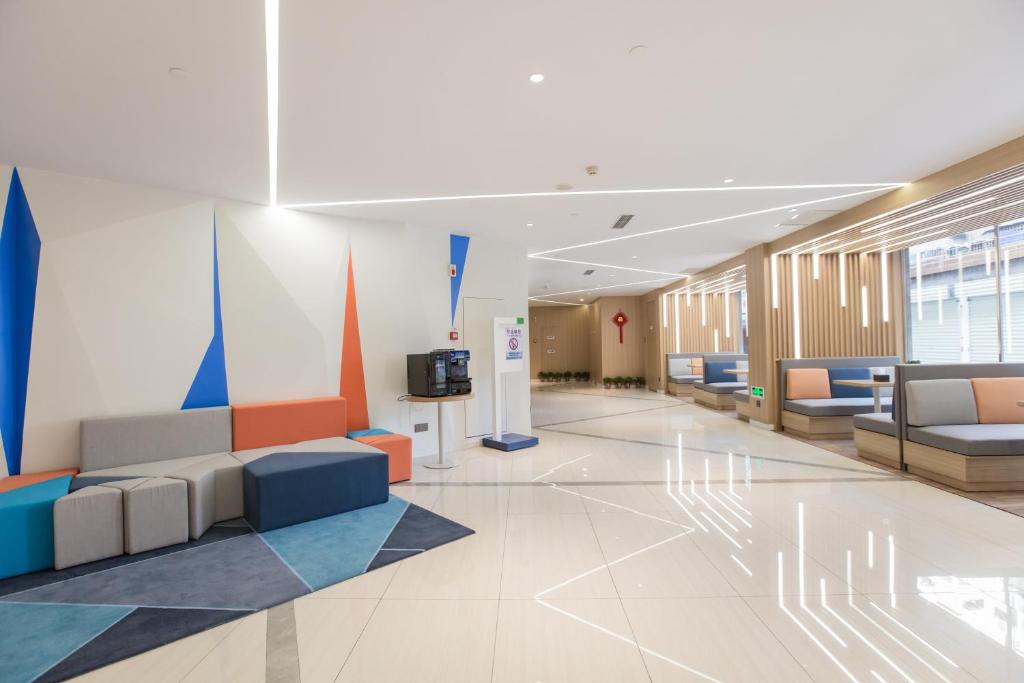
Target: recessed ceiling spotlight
(793,210)
(536,78)
(529,225)
(634,256)
(177,72)
(728,180)
(581,299)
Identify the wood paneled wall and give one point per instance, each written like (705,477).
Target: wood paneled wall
(627,358)
(826,328)
(697,333)
(572,330)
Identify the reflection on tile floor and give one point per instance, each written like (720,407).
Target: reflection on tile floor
(648,539)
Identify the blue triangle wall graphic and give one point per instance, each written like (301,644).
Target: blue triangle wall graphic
(459,249)
(19,271)
(210,385)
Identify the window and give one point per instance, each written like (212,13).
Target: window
(953,296)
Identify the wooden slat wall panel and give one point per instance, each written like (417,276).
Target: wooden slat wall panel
(827,329)
(695,336)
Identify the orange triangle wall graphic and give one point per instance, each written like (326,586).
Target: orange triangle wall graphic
(353,385)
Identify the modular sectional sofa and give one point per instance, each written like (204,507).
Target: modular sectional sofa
(961,425)
(715,390)
(815,407)
(153,480)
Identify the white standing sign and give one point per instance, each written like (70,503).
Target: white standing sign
(509,342)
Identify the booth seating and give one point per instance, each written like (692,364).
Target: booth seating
(961,425)
(742,399)
(682,370)
(715,390)
(875,437)
(815,407)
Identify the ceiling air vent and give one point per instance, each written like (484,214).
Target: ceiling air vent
(623,219)
(589,271)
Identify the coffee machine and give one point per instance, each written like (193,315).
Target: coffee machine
(442,372)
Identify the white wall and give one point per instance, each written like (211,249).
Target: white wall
(124,306)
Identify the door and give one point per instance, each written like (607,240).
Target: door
(477,326)
(551,360)
(652,354)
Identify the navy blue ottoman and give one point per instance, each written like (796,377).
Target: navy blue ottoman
(289,488)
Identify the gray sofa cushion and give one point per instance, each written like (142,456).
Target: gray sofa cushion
(974,439)
(115,441)
(742,395)
(684,379)
(333,444)
(933,402)
(882,423)
(720,387)
(833,407)
(679,366)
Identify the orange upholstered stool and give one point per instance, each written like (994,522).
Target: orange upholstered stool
(399,450)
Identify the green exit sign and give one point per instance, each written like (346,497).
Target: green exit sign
(757,392)
(520,321)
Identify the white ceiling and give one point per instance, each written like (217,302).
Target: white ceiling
(386,99)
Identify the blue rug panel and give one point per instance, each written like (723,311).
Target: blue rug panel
(36,637)
(326,551)
(144,629)
(240,573)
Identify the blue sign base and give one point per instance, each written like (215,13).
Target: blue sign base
(511,442)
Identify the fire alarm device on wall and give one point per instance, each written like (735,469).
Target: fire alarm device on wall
(453,335)
(452,270)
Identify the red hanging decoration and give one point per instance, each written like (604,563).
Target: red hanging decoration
(620,321)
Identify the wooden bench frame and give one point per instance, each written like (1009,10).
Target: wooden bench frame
(881,448)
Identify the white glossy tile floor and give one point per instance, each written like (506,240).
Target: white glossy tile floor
(648,539)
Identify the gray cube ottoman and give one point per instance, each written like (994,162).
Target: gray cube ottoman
(155,512)
(88,525)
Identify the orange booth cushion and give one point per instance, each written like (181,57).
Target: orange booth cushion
(256,425)
(996,398)
(19,480)
(399,450)
(807,383)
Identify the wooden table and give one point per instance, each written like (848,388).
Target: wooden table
(441,463)
(876,388)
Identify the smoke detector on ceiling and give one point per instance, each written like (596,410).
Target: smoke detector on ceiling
(563,187)
(591,170)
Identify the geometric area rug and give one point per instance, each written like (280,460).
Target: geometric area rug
(59,624)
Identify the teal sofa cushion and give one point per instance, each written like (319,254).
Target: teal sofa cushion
(26,526)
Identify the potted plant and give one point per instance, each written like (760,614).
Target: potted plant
(567,376)
(618,381)
(641,381)
(586,375)
(607,382)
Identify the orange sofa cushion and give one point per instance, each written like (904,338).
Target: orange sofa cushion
(996,398)
(807,383)
(256,425)
(399,450)
(19,480)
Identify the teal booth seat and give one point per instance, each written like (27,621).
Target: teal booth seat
(26,526)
